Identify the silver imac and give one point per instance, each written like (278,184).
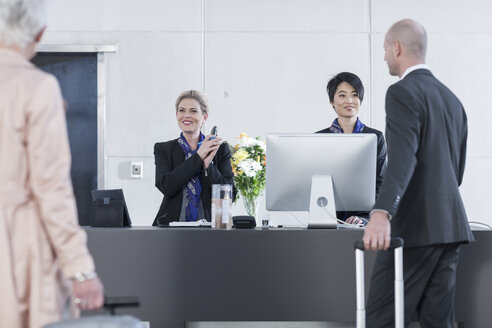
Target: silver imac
(321,173)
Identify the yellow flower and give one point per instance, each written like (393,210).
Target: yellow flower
(240,155)
(242,135)
(239,172)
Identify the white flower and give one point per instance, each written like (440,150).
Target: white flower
(250,142)
(246,142)
(250,167)
(261,144)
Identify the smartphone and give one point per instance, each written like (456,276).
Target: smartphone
(213,132)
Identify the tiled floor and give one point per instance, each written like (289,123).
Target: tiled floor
(277,325)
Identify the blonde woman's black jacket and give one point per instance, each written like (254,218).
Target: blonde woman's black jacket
(172,172)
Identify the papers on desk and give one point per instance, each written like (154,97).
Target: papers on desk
(191,224)
(350,226)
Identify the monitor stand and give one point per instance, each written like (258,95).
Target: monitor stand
(322,214)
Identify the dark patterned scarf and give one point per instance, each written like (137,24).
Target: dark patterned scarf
(335,127)
(193,187)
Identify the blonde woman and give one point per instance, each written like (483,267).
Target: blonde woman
(186,167)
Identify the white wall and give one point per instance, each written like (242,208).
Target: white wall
(264,65)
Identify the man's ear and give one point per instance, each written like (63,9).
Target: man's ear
(38,37)
(397,48)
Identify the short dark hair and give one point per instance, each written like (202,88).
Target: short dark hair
(348,77)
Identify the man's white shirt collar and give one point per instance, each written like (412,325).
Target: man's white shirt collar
(413,68)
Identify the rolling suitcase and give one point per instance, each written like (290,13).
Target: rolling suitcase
(101,321)
(397,245)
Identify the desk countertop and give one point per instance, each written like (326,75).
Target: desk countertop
(203,274)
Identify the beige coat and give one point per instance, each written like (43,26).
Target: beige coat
(39,234)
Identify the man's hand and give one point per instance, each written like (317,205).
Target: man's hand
(89,294)
(377,234)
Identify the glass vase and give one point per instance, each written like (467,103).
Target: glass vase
(251,205)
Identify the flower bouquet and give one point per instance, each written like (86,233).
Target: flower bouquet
(249,167)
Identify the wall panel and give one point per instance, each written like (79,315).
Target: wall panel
(292,15)
(264,65)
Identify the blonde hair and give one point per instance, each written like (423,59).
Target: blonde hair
(21,21)
(194,94)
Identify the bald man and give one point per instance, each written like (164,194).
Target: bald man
(419,200)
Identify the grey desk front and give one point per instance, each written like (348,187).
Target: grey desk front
(258,275)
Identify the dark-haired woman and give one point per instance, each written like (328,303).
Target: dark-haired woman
(346,92)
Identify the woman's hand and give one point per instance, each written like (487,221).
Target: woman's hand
(89,294)
(208,149)
(354,220)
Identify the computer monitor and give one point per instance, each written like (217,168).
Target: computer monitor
(321,173)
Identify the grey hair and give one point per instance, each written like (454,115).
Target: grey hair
(21,21)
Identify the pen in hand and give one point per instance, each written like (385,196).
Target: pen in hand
(211,138)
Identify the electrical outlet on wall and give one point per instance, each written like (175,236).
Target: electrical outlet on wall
(136,170)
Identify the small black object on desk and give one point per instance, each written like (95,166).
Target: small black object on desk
(243,222)
(109,209)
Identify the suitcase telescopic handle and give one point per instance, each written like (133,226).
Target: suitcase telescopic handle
(111,303)
(394,243)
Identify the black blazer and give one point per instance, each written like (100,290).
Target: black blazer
(172,172)
(380,167)
(426,131)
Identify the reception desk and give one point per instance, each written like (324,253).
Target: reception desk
(189,274)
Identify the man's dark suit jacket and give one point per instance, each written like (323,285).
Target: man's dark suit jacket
(380,167)
(426,132)
(172,172)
